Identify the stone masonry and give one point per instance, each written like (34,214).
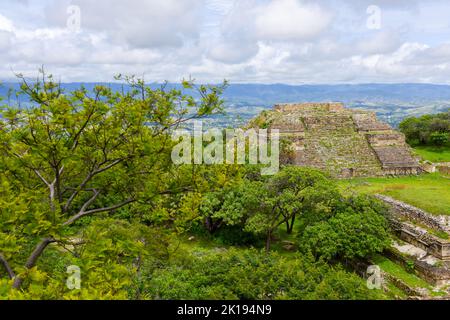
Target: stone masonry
(343,142)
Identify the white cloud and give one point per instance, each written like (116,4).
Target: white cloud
(6,24)
(138,23)
(233,52)
(290,20)
(292,41)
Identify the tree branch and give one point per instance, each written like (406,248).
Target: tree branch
(41,177)
(8,268)
(33,258)
(90,201)
(86,180)
(82,214)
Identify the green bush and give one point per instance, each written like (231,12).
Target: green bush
(439,138)
(250,275)
(357,230)
(427,129)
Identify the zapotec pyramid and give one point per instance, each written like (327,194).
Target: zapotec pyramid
(340,141)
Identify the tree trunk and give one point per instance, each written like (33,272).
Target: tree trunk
(212,225)
(268,240)
(290,227)
(209,224)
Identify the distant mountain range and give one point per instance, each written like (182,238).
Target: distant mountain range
(391,102)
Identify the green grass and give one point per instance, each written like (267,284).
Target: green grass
(440,234)
(429,192)
(434,154)
(397,271)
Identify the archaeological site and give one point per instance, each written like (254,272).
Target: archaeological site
(343,142)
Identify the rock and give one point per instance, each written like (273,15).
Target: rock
(289,247)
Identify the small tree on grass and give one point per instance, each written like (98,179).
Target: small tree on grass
(293,192)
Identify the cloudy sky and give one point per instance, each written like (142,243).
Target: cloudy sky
(256,41)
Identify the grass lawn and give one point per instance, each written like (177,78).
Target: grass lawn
(430,192)
(397,271)
(434,154)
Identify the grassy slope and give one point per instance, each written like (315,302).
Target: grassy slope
(433,154)
(430,192)
(400,273)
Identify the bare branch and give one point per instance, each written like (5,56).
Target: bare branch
(90,201)
(33,258)
(86,180)
(8,268)
(41,177)
(82,214)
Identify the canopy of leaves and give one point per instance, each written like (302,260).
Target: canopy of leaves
(358,229)
(71,158)
(427,129)
(253,275)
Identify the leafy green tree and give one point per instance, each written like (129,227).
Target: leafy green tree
(293,192)
(438,138)
(299,191)
(110,254)
(358,229)
(410,128)
(260,207)
(75,155)
(427,129)
(229,206)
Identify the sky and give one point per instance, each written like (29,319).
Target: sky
(243,41)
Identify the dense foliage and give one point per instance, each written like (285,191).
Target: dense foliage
(72,156)
(431,130)
(250,274)
(87,181)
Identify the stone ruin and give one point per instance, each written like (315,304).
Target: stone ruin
(343,142)
(424,245)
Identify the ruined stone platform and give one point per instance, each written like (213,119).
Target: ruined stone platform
(344,142)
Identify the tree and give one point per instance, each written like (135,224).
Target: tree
(427,129)
(74,155)
(230,206)
(410,128)
(438,138)
(293,192)
(300,190)
(357,229)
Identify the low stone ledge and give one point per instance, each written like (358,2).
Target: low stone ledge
(436,276)
(440,223)
(433,245)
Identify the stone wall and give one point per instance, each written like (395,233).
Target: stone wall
(290,107)
(386,139)
(428,167)
(367,121)
(437,276)
(443,168)
(343,142)
(434,246)
(441,223)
